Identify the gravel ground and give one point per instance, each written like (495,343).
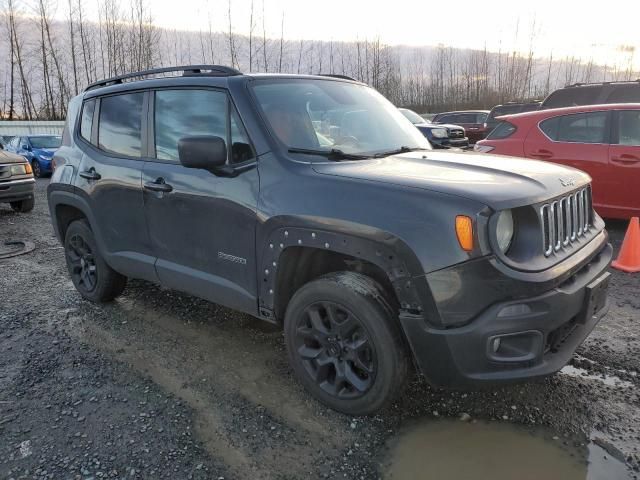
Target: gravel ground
(162,385)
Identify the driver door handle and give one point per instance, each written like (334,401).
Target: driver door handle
(626,159)
(90,174)
(158,185)
(542,153)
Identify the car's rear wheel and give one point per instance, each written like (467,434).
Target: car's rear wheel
(344,344)
(92,277)
(23,206)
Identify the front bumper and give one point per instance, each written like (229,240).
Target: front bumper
(450,142)
(17,190)
(538,334)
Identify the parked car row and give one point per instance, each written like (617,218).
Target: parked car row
(37,149)
(477,124)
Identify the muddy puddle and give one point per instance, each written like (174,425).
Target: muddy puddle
(456,450)
(606,379)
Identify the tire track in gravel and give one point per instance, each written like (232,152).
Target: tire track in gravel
(179,356)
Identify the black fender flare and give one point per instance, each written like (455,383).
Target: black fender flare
(388,252)
(57,196)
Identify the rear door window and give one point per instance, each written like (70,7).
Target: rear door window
(577,128)
(573,96)
(629,127)
(625,94)
(120,124)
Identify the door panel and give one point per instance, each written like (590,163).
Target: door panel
(202,226)
(624,162)
(111,183)
(202,232)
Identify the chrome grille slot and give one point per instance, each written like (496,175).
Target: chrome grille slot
(565,220)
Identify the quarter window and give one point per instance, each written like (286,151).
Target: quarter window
(87,119)
(186,113)
(629,127)
(120,124)
(577,128)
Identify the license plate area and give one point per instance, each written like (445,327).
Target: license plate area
(596,296)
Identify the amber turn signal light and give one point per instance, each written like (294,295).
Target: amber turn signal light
(27,168)
(464,232)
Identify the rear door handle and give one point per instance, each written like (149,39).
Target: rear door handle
(158,185)
(626,159)
(541,154)
(90,174)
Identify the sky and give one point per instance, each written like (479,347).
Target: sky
(565,27)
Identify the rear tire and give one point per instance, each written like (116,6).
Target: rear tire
(344,344)
(92,277)
(23,206)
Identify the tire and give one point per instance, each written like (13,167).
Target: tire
(23,206)
(92,277)
(37,171)
(347,312)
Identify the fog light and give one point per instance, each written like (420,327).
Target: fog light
(495,344)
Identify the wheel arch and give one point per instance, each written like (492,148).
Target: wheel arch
(294,255)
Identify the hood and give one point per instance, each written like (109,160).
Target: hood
(8,157)
(495,180)
(437,125)
(45,152)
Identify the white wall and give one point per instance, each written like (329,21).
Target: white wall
(31,127)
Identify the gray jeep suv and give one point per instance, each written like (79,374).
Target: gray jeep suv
(313,203)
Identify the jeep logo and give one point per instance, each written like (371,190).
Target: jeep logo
(567,182)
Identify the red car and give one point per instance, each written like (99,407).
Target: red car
(471,120)
(602,140)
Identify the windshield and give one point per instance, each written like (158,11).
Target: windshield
(412,116)
(327,115)
(45,142)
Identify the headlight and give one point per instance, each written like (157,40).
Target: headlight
(439,133)
(504,230)
(19,169)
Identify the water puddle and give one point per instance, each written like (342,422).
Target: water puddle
(452,449)
(610,380)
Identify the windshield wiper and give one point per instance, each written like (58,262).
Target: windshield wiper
(333,154)
(398,150)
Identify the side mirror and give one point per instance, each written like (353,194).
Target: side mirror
(205,151)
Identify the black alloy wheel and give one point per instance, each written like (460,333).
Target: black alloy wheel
(82,264)
(336,350)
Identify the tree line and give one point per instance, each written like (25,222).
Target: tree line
(51,50)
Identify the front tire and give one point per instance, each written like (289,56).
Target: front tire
(23,206)
(37,171)
(344,344)
(92,277)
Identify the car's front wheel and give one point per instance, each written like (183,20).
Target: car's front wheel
(23,206)
(344,344)
(37,171)
(92,277)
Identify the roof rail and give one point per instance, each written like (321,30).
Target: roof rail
(582,84)
(335,75)
(187,70)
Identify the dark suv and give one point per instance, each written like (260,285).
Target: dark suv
(312,203)
(599,93)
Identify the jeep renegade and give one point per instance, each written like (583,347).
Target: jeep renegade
(313,203)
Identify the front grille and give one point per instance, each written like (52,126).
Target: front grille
(566,220)
(454,133)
